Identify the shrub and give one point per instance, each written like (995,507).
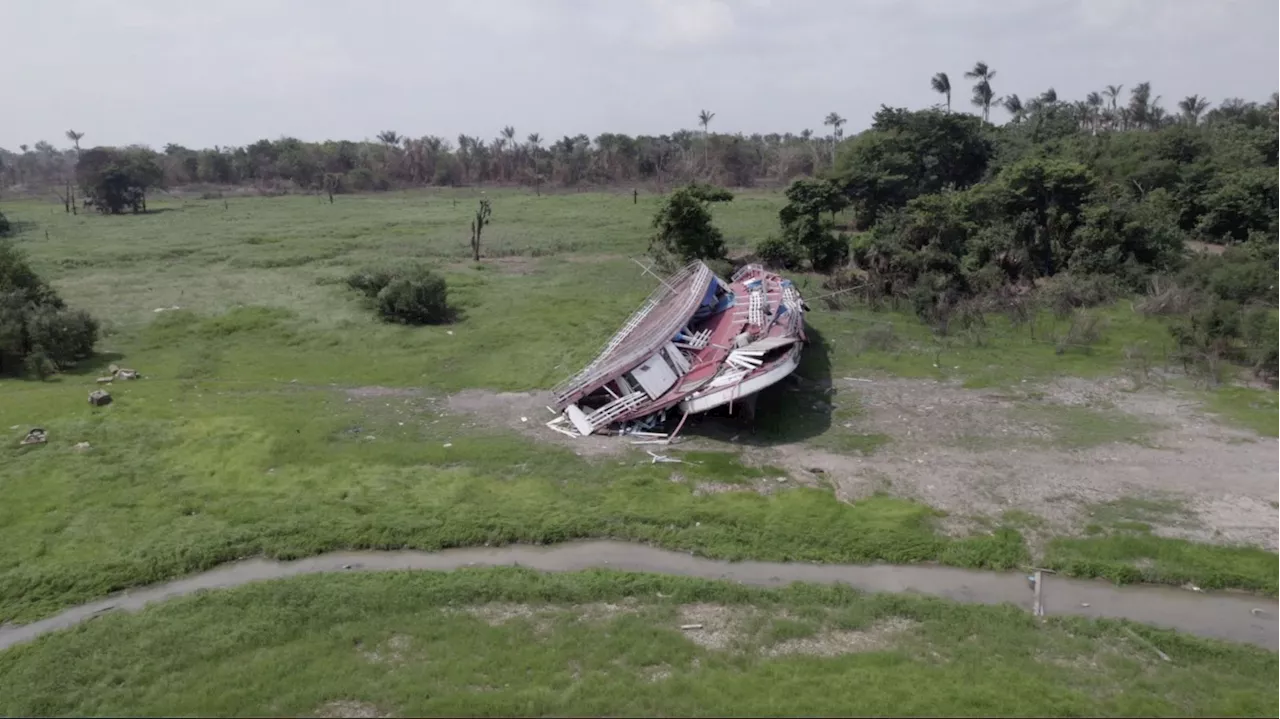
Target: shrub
(370,281)
(38,334)
(1067,293)
(722,268)
(827,251)
(779,253)
(683,225)
(417,300)
(411,295)
(4,225)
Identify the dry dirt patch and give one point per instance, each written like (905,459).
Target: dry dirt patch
(714,626)
(497,614)
(526,413)
(393,651)
(349,708)
(1226,477)
(838,642)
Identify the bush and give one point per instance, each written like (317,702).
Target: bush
(412,295)
(722,268)
(4,225)
(778,253)
(683,225)
(1067,293)
(370,281)
(38,334)
(418,300)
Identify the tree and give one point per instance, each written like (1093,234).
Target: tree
(390,138)
(941,84)
(835,122)
(74,137)
(1013,105)
(1193,106)
(804,227)
(683,225)
(704,119)
(983,95)
(115,179)
(509,134)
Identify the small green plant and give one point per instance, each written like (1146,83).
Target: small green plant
(483,213)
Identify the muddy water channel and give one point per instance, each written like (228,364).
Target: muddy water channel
(1234,617)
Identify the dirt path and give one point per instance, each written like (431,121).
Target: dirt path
(1234,617)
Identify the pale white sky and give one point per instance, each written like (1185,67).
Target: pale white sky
(205,72)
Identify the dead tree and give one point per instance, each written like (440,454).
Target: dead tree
(477,226)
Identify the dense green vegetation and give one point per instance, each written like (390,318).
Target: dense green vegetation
(38,333)
(514,642)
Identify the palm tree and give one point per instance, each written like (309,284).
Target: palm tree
(74,137)
(1013,105)
(389,137)
(941,84)
(835,121)
(983,95)
(1094,102)
(509,133)
(1113,92)
(704,119)
(1193,106)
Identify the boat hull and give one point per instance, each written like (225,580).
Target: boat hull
(749,386)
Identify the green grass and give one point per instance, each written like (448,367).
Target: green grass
(1253,409)
(183,475)
(240,440)
(423,644)
(1138,556)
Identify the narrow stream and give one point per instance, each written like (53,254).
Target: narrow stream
(1234,617)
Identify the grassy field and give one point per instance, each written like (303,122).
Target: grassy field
(249,433)
(512,642)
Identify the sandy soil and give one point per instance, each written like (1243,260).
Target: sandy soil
(973,453)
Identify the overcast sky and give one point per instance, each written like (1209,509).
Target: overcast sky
(228,72)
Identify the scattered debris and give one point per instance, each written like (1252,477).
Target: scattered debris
(663,458)
(82,447)
(99,397)
(1084,604)
(687,627)
(448,445)
(127,374)
(166,309)
(856,379)
(35,436)
(699,342)
(104,380)
(1257,612)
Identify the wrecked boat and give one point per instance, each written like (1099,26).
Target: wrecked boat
(697,343)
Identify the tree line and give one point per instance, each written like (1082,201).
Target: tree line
(393,160)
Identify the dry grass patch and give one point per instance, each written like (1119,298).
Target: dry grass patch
(714,626)
(349,708)
(838,642)
(392,651)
